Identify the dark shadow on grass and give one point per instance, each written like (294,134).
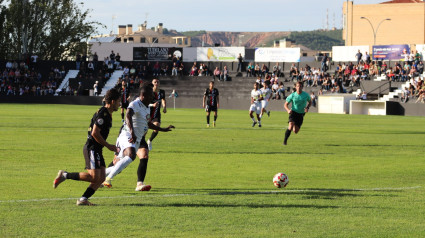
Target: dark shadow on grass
(373,145)
(214,205)
(249,152)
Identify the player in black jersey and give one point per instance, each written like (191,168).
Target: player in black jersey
(211,97)
(158,101)
(125,97)
(98,132)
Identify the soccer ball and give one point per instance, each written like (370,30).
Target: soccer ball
(280,180)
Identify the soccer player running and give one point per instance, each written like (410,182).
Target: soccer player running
(256,97)
(211,97)
(301,102)
(158,101)
(125,97)
(98,132)
(131,141)
(266,93)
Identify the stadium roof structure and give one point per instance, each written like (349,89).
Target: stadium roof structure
(103,39)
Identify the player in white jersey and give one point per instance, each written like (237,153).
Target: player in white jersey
(256,97)
(266,92)
(132,139)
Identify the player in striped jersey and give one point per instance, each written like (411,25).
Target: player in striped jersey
(158,101)
(211,97)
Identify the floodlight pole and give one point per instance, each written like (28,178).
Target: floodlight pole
(373,29)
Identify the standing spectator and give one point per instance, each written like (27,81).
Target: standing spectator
(34,59)
(112,57)
(117,60)
(96,89)
(324,61)
(359,56)
(224,74)
(174,70)
(95,60)
(78,60)
(367,58)
(240,60)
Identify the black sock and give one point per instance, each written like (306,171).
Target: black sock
(89,192)
(208,119)
(111,164)
(287,134)
(141,171)
(215,118)
(73,176)
(153,135)
(122,115)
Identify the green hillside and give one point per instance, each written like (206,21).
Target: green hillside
(318,40)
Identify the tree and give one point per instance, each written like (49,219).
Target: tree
(53,29)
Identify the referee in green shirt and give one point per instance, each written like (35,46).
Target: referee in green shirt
(301,102)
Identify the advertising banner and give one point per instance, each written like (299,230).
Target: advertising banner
(390,52)
(219,53)
(277,54)
(156,53)
(347,53)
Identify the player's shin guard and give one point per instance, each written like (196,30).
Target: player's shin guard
(208,120)
(215,118)
(153,135)
(122,115)
(141,171)
(119,166)
(73,176)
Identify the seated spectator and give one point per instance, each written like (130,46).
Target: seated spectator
(193,70)
(277,69)
(224,74)
(264,70)
(156,69)
(420,67)
(181,69)
(164,69)
(250,70)
(257,70)
(281,91)
(217,73)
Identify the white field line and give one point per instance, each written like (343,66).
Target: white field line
(218,193)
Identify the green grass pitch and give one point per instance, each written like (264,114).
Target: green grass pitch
(350,176)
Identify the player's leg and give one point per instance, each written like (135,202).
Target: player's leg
(97,175)
(215,117)
(122,113)
(208,116)
(252,117)
(288,131)
(154,133)
(258,111)
(143,154)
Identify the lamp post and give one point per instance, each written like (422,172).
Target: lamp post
(373,29)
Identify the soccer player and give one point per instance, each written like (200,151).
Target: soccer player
(125,97)
(301,102)
(158,101)
(211,97)
(256,97)
(132,139)
(97,134)
(266,93)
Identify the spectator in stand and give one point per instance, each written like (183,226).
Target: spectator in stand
(117,60)
(257,70)
(277,69)
(95,60)
(174,69)
(156,69)
(112,58)
(264,70)
(90,67)
(193,70)
(420,67)
(96,89)
(359,56)
(249,70)
(224,74)
(281,91)
(240,60)
(367,58)
(164,69)
(217,74)
(201,69)
(324,61)
(78,60)
(126,71)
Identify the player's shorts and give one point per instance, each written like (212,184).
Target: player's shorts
(209,108)
(264,103)
(296,118)
(123,143)
(156,118)
(94,158)
(124,104)
(255,107)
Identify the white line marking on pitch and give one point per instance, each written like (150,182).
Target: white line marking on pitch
(218,193)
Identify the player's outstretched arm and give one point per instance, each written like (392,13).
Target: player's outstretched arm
(157,128)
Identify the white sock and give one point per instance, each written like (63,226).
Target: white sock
(119,166)
(259,122)
(253,119)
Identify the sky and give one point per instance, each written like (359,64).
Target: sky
(220,15)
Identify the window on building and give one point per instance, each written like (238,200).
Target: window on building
(118,39)
(154,40)
(143,40)
(125,40)
(304,54)
(130,39)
